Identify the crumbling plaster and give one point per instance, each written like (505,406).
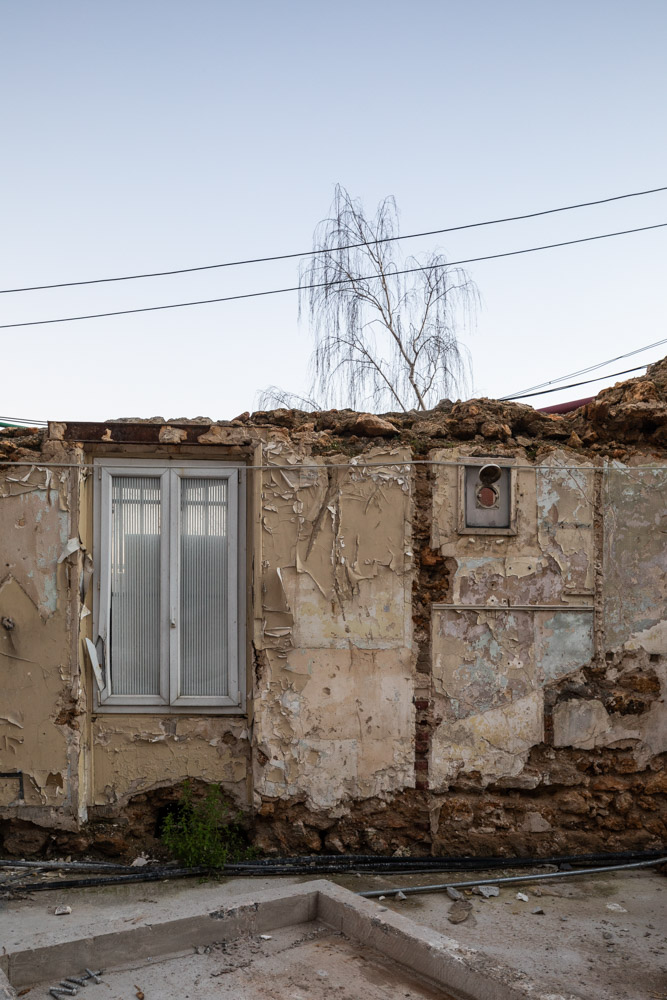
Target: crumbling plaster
(544,664)
(39,732)
(635,551)
(335,632)
(333,669)
(490,667)
(492,670)
(133,754)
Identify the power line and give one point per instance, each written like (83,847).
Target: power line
(324,284)
(350,246)
(584,371)
(18,421)
(24,423)
(573,385)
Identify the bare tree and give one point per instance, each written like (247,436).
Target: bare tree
(275,397)
(385,327)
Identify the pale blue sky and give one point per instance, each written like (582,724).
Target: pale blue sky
(153,134)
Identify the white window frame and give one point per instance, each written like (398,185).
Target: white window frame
(170,699)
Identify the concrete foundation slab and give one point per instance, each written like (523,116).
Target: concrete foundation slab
(602,937)
(306,921)
(307,962)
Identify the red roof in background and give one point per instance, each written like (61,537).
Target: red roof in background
(565,407)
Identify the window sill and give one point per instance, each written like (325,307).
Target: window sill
(188,710)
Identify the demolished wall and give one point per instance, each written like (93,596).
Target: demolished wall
(409,687)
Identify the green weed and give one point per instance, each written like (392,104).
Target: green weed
(204,832)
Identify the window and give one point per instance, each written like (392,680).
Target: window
(168,586)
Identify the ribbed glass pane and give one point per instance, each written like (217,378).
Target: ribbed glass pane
(135,585)
(203,587)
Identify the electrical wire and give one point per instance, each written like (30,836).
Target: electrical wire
(319,865)
(89,866)
(350,246)
(328,284)
(573,385)
(333,863)
(21,422)
(355,862)
(584,371)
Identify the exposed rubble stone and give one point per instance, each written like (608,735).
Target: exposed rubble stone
(21,443)
(619,419)
(627,414)
(566,798)
(370,425)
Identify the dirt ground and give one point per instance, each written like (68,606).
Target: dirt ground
(599,938)
(578,944)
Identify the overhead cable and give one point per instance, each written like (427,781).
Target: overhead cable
(311,253)
(25,423)
(21,422)
(584,371)
(328,284)
(573,385)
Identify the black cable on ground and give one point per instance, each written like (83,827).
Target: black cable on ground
(91,866)
(140,876)
(320,865)
(485,861)
(351,862)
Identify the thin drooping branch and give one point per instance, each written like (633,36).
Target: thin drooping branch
(383,339)
(275,398)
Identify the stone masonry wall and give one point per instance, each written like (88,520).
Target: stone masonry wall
(409,687)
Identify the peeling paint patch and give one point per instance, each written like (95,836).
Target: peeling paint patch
(579,723)
(495,744)
(328,738)
(635,567)
(563,643)
(483,659)
(653,640)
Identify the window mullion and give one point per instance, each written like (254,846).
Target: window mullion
(232,584)
(173,573)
